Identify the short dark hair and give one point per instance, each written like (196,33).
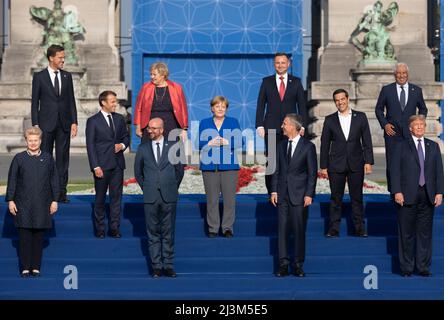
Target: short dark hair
(338,91)
(279,54)
(104,95)
(53,49)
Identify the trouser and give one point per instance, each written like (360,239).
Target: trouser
(415,225)
(62,141)
(112,179)
(216,182)
(30,248)
(292,220)
(160,219)
(355,182)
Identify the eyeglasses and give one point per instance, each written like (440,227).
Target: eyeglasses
(154,128)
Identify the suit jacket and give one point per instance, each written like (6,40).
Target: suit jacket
(223,157)
(388,100)
(144,104)
(271,111)
(405,170)
(100,141)
(299,176)
(338,154)
(47,108)
(163,177)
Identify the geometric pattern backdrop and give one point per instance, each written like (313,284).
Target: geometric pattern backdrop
(215,47)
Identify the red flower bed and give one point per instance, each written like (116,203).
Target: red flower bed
(245,177)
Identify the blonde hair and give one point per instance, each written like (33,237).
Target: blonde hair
(218,99)
(415,117)
(162,68)
(33,131)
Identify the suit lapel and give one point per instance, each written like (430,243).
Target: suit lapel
(427,152)
(413,148)
(47,79)
(164,155)
(353,124)
(412,93)
(297,150)
(395,95)
(338,126)
(63,79)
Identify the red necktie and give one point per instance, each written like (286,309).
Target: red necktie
(282,88)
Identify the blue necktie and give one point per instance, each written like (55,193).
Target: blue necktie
(421,164)
(402,98)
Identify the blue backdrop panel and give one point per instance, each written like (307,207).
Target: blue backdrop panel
(215,47)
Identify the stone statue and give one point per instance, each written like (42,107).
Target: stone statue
(60,27)
(376,47)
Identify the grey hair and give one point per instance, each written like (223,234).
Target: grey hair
(295,120)
(400,64)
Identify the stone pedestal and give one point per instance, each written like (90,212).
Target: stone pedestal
(98,69)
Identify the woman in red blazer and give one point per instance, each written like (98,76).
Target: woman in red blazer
(161,98)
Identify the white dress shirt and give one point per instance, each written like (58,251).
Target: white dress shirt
(154,144)
(52,76)
(294,143)
(345,121)
(406,90)
(278,81)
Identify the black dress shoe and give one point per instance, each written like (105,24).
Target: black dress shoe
(25,274)
(100,235)
(332,234)
(228,234)
(282,272)
(361,234)
(212,235)
(299,272)
(115,234)
(169,272)
(425,273)
(406,274)
(157,273)
(35,273)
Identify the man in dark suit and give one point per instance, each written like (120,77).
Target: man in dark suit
(53,110)
(159,172)
(106,139)
(293,188)
(346,155)
(279,95)
(400,100)
(418,186)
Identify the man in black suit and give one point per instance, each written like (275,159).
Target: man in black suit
(279,95)
(159,172)
(106,139)
(293,188)
(400,100)
(53,110)
(346,155)
(418,186)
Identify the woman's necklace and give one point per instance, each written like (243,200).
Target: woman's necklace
(156,95)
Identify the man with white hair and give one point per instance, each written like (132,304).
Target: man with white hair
(400,100)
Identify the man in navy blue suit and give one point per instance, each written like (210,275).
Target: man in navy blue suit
(159,172)
(346,155)
(400,100)
(53,110)
(418,186)
(293,188)
(279,95)
(107,138)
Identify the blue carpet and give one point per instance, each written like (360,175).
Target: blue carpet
(238,268)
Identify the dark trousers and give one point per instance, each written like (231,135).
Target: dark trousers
(30,248)
(62,141)
(415,224)
(389,146)
(160,220)
(355,181)
(292,220)
(112,179)
(272,153)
